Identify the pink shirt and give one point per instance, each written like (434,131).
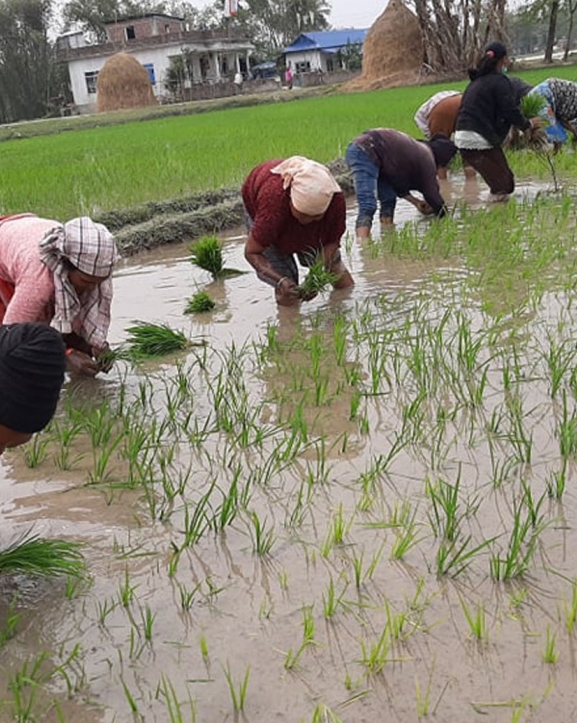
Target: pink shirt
(26,284)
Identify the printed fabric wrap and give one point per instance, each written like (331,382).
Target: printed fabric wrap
(556,133)
(312,185)
(91,249)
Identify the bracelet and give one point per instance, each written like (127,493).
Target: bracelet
(279,282)
(69,351)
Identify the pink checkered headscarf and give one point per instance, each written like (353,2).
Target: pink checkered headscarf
(90,248)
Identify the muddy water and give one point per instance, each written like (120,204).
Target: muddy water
(224,610)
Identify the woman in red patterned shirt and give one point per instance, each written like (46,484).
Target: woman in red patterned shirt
(293,207)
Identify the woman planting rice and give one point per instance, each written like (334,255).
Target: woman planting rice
(488,110)
(60,274)
(559,113)
(294,206)
(387,164)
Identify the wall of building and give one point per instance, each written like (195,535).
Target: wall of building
(158,61)
(140,28)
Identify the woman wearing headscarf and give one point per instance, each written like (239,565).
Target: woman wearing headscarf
(60,275)
(32,363)
(387,164)
(489,108)
(294,207)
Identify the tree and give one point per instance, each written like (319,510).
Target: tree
(26,59)
(553,12)
(454,31)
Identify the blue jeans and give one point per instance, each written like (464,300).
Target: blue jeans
(369,186)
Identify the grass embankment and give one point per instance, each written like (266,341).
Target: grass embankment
(104,171)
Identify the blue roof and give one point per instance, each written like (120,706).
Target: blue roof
(326,40)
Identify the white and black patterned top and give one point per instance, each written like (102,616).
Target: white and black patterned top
(564,97)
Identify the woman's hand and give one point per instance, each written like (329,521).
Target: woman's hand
(286,292)
(77,362)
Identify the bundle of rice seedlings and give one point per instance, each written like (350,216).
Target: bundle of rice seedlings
(532,104)
(199,303)
(207,255)
(146,340)
(37,556)
(317,279)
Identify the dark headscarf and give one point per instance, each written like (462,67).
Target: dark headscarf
(443,149)
(32,363)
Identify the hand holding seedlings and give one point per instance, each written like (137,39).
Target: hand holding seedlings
(78,362)
(287,292)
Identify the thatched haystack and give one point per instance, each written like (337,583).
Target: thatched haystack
(392,51)
(123,83)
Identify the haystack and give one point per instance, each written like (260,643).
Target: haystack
(392,51)
(123,83)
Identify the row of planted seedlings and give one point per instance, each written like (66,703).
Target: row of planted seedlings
(414,440)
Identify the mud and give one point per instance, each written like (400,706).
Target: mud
(247,611)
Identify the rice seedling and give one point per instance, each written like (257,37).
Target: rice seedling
(147,341)
(517,557)
(323,714)
(550,653)
(262,539)
(317,279)
(476,620)
(37,556)
(570,610)
(129,698)
(200,303)
(445,501)
(35,451)
(126,590)
(8,631)
(375,656)
(238,697)
(453,558)
(174,707)
(206,253)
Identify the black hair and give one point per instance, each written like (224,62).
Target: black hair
(488,60)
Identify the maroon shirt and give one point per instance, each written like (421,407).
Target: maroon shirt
(268,206)
(404,163)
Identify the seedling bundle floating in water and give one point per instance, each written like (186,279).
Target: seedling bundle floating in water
(207,255)
(146,341)
(31,554)
(199,303)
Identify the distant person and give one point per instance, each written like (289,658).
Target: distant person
(238,81)
(60,275)
(294,207)
(488,110)
(387,164)
(559,115)
(288,77)
(32,363)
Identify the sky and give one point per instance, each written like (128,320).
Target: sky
(345,13)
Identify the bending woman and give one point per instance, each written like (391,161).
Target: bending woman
(60,275)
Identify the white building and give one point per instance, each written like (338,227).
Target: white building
(213,56)
(323,51)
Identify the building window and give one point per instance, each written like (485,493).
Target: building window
(167,28)
(149,67)
(330,65)
(91,79)
(303,67)
(130,34)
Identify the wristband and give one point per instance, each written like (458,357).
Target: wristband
(279,282)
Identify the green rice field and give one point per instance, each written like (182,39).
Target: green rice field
(114,167)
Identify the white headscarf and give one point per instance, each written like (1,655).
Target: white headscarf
(312,185)
(90,248)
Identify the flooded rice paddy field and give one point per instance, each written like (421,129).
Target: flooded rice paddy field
(363,509)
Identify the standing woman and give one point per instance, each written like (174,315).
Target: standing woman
(488,110)
(60,275)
